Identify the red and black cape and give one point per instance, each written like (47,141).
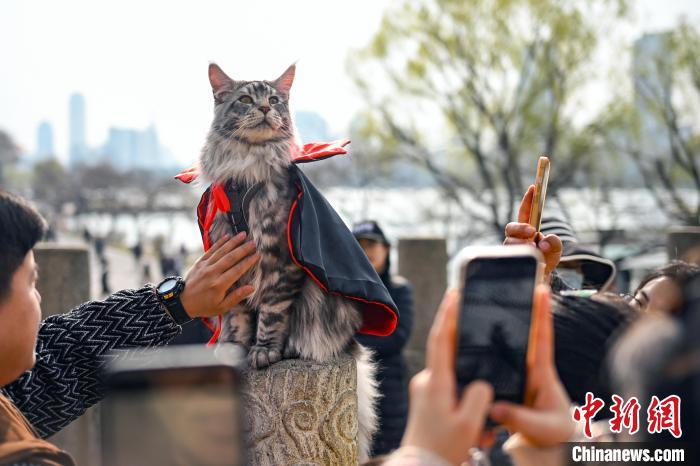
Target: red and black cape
(319,242)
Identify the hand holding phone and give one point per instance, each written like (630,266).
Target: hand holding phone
(497,286)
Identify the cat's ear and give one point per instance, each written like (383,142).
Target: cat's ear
(284,82)
(221,84)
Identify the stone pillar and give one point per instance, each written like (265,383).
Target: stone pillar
(684,243)
(302,413)
(423,261)
(64,283)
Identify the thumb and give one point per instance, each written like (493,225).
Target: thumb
(544,428)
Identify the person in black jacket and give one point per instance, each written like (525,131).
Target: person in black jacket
(391,374)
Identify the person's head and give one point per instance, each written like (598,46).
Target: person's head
(21,227)
(662,289)
(659,356)
(579,267)
(584,329)
(374,243)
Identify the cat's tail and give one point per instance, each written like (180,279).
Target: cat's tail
(367,399)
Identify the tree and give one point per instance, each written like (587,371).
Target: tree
(655,126)
(501,77)
(9,154)
(51,184)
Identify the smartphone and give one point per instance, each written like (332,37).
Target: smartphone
(541,180)
(497,291)
(176,405)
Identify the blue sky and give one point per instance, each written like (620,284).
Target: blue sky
(142,62)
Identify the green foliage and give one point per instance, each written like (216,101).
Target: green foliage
(499,75)
(656,127)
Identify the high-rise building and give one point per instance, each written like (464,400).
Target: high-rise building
(651,75)
(77,147)
(44,141)
(129,149)
(311,127)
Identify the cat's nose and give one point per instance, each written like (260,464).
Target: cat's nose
(265,109)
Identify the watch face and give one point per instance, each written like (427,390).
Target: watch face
(168,285)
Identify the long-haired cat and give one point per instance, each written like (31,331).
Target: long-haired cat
(250,145)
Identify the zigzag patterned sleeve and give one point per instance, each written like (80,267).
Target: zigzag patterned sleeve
(66,378)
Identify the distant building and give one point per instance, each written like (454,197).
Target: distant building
(311,127)
(44,141)
(130,149)
(77,147)
(652,76)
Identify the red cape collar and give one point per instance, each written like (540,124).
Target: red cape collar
(311,152)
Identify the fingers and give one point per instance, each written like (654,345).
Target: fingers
(544,335)
(550,244)
(441,340)
(237,270)
(526,205)
(215,247)
(520,231)
(474,407)
(227,247)
(233,257)
(530,422)
(236,296)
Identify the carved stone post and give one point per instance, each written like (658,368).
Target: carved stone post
(302,413)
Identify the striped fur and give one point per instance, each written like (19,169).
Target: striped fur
(288,315)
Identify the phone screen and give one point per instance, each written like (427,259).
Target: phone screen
(174,416)
(494,323)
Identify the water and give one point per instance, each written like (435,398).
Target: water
(411,212)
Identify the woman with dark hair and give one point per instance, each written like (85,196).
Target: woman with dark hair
(662,289)
(584,330)
(391,373)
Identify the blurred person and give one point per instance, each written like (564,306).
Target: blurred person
(579,267)
(104,281)
(391,374)
(137,252)
(585,328)
(662,289)
(50,370)
(660,356)
(442,428)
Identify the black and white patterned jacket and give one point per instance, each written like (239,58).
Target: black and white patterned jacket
(66,378)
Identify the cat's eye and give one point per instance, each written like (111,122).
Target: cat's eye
(246,99)
(274,100)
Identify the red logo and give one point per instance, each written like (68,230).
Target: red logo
(665,415)
(587,412)
(625,415)
(661,415)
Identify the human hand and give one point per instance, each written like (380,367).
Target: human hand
(521,232)
(437,420)
(208,282)
(546,419)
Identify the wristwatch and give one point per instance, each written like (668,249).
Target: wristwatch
(168,292)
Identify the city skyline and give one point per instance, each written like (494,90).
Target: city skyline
(132,148)
(158,74)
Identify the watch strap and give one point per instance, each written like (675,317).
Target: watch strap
(177,311)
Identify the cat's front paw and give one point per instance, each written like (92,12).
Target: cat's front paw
(260,357)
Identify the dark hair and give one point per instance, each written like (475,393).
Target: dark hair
(679,271)
(584,329)
(21,227)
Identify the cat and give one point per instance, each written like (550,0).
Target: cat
(250,144)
